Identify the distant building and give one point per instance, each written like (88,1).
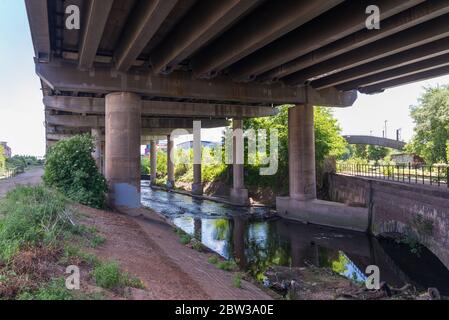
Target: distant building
(160,145)
(7,149)
(406,158)
(189,145)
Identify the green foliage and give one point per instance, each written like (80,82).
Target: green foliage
(227,265)
(71,169)
(377,153)
(145,165)
(109,276)
(431,117)
(237,280)
(32,216)
(2,159)
(328,142)
(185,239)
(213,259)
(53,290)
(97,241)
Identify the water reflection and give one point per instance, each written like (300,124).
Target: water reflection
(257,244)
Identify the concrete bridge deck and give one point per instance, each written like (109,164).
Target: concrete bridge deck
(132,65)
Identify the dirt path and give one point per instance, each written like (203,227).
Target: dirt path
(218,284)
(31,177)
(149,249)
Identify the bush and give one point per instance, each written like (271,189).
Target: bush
(71,169)
(109,276)
(54,290)
(33,216)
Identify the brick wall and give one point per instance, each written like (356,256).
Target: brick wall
(399,208)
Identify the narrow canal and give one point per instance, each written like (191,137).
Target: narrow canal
(256,243)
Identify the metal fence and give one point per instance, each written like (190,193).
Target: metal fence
(435,175)
(9,173)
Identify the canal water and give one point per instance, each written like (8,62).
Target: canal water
(256,243)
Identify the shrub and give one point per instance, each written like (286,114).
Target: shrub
(212,260)
(109,276)
(71,169)
(228,265)
(237,280)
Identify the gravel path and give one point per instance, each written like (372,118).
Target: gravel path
(30,177)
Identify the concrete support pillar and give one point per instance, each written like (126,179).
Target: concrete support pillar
(197,186)
(301,153)
(302,204)
(153,161)
(239,195)
(122,160)
(170,164)
(96,154)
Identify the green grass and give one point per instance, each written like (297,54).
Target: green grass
(227,265)
(97,241)
(32,216)
(237,280)
(185,239)
(53,290)
(109,276)
(213,260)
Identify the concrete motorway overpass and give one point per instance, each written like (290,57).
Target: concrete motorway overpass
(132,61)
(376,141)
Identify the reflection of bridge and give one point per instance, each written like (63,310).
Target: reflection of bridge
(376,141)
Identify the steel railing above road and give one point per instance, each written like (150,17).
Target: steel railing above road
(434,175)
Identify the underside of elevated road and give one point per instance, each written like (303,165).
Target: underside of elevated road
(135,69)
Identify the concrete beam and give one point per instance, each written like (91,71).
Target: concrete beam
(37,11)
(425,33)
(397,23)
(79,121)
(400,72)
(380,87)
(140,29)
(65,77)
(264,25)
(318,33)
(95,22)
(201,24)
(424,52)
(161,108)
(150,133)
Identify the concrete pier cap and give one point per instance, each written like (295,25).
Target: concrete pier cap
(122,158)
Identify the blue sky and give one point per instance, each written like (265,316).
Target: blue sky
(22,112)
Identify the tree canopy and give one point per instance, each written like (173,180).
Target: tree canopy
(71,169)
(431,117)
(328,141)
(2,158)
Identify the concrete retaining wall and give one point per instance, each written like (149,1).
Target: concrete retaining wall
(399,208)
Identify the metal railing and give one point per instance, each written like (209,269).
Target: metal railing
(9,173)
(434,175)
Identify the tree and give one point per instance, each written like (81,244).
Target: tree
(2,159)
(71,169)
(328,142)
(376,153)
(431,117)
